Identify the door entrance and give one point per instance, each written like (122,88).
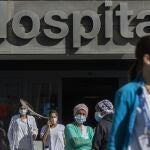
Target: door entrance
(88,91)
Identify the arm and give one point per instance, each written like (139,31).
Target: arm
(96,144)
(34,129)
(120,122)
(10,132)
(74,139)
(64,135)
(44,134)
(45,131)
(64,140)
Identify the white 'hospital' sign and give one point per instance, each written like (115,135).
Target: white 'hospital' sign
(77,27)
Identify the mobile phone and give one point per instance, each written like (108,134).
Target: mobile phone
(49,122)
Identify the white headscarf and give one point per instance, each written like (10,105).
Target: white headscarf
(79,107)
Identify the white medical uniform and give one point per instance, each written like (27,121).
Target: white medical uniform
(55,139)
(20,133)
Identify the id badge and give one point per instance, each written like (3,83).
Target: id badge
(147,131)
(46,148)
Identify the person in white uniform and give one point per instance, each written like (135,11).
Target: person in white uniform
(52,134)
(22,130)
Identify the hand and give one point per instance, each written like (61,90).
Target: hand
(34,137)
(49,123)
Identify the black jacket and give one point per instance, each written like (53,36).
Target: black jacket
(102,131)
(4,144)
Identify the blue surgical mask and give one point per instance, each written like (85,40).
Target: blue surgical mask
(80,119)
(98,116)
(23,111)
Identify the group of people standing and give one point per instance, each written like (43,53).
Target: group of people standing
(129,130)
(74,136)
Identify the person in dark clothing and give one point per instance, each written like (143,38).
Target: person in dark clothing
(3,140)
(4,144)
(104,116)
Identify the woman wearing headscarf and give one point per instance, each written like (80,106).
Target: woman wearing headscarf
(22,130)
(52,134)
(103,115)
(77,135)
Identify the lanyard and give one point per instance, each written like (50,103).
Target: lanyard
(143,107)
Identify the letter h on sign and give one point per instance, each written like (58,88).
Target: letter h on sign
(3,19)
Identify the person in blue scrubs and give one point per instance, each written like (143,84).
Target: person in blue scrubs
(131,122)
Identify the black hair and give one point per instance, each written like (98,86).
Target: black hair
(142,48)
(133,71)
(53,111)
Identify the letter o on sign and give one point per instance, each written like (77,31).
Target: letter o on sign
(19,29)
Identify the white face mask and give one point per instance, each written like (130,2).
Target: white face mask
(23,111)
(54,120)
(98,116)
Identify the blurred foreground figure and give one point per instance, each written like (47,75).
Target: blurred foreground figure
(131,123)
